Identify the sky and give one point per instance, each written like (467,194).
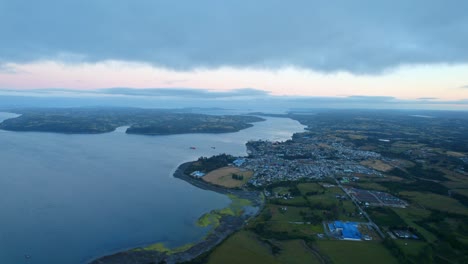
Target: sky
(405,50)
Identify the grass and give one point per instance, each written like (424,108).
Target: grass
(368,185)
(242,247)
(292,214)
(283,221)
(235,208)
(377,165)
(437,202)
(281,190)
(455,154)
(223,177)
(210,219)
(384,216)
(237,204)
(327,198)
(412,214)
(295,252)
(309,187)
(357,137)
(312,202)
(295,229)
(410,247)
(355,252)
(462,191)
(401,146)
(160,247)
(296,201)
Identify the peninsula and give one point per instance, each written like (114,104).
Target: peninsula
(394,181)
(140,121)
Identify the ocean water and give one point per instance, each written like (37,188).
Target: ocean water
(66,199)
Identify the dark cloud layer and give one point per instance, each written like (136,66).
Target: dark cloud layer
(363,36)
(243,100)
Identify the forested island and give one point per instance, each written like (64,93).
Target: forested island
(140,121)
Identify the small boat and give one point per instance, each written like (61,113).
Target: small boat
(213,147)
(193,148)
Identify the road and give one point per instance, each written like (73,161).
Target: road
(356,202)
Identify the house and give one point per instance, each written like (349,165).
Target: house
(197,174)
(238,162)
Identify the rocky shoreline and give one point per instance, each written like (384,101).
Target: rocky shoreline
(227,225)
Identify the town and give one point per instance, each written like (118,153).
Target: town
(305,157)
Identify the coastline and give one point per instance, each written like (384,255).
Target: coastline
(228,224)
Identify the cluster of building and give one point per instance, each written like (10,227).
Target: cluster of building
(284,196)
(404,234)
(316,148)
(304,157)
(375,198)
(347,153)
(348,179)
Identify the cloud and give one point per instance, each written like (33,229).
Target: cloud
(248,100)
(171,82)
(185,92)
(428,98)
(364,36)
(7,69)
(364,98)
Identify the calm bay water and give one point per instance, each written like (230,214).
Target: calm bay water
(65,199)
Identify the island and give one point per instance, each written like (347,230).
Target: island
(139,121)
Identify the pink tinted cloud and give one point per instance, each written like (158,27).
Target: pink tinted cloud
(438,81)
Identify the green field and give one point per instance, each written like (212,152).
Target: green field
(296,201)
(310,187)
(295,252)
(281,190)
(461,191)
(296,229)
(410,247)
(291,214)
(315,204)
(349,252)
(369,185)
(437,202)
(278,235)
(329,196)
(412,214)
(385,217)
(348,207)
(244,247)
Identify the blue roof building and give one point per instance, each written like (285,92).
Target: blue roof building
(238,162)
(348,230)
